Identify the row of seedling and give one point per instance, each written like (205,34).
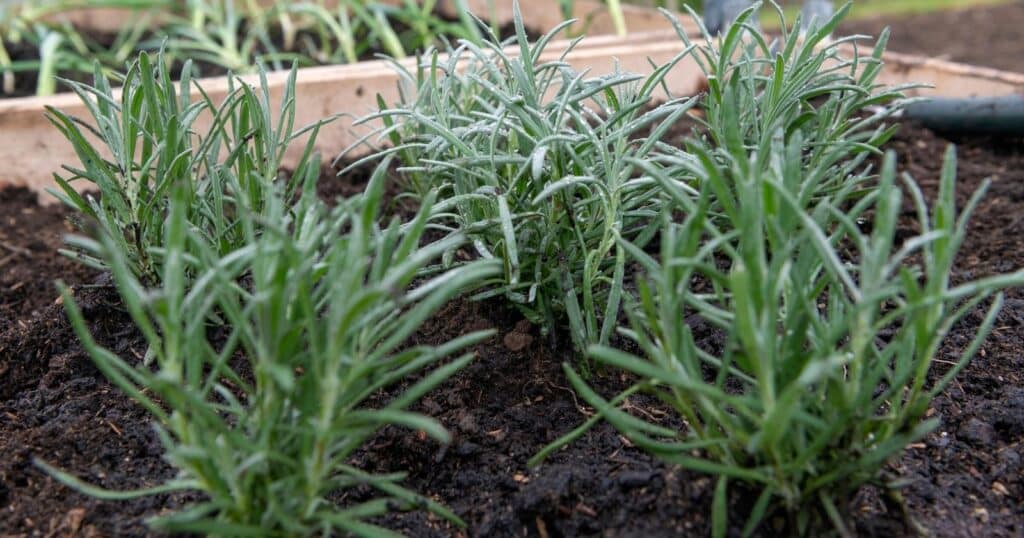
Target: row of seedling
(220,35)
(41,44)
(579,203)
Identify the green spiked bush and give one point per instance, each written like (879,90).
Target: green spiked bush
(534,161)
(318,306)
(784,242)
(829,332)
(152,138)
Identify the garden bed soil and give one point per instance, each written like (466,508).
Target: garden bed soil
(991,36)
(965,479)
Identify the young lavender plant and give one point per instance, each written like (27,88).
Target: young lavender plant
(535,162)
(823,368)
(151,138)
(826,332)
(318,306)
(807,89)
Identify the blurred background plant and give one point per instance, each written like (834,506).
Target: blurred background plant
(57,46)
(233,37)
(614,10)
(220,36)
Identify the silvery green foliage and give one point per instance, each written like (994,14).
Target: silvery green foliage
(533,160)
(316,308)
(824,325)
(820,95)
(150,139)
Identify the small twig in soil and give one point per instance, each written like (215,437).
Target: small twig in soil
(571,393)
(116,430)
(955,380)
(586,510)
(628,405)
(16,249)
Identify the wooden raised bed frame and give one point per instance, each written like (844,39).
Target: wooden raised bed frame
(32,150)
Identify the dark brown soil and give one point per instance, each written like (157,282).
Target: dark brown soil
(966,478)
(986,36)
(53,403)
(29,261)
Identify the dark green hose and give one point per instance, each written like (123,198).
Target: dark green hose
(989,116)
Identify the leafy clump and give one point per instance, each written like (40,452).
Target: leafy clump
(317,306)
(827,324)
(277,329)
(822,370)
(155,136)
(534,161)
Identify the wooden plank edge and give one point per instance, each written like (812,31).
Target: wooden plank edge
(949,79)
(33,150)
